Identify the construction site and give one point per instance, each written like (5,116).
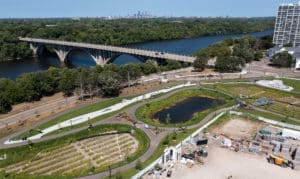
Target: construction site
(237,147)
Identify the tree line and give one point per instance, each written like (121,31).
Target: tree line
(232,54)
(103,81)
(119,31)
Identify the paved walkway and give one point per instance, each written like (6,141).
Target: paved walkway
(155,139)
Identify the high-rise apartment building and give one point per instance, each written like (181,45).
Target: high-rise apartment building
(287,26)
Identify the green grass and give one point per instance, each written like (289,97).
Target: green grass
(293,83)
(28,152)
(78,112)
(270,116)
(250,93)
(160,148)
(4,175)
(144,113)
(84,110)
(157,153)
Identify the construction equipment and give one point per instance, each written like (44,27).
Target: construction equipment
(273,159)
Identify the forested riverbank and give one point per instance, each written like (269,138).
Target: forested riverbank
(119,31)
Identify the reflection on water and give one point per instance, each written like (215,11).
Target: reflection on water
(11,69)
(184,110)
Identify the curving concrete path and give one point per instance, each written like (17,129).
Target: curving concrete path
(154,139)
(86,117)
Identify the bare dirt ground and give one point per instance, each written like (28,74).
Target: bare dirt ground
(238,128)
(223,163)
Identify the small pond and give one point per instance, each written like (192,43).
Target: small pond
(183,111)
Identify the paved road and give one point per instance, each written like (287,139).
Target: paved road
(155,139)
(31,113)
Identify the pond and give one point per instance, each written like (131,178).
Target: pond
(184,111)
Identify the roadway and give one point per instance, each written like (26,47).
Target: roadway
(154,139)
(122,50)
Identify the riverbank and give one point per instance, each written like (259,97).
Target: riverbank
(189,46)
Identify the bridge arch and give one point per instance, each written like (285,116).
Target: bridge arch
(115,57)
(82,50)
(41,49)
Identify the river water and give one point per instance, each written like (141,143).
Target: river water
(11,69)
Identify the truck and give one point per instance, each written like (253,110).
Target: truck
(273,159)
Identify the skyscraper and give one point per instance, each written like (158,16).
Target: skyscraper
(287,26)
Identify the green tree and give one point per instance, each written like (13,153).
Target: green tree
(246,53)
(173,65)
(67,81)
(288,45)
(283,59)
(110,83)
(27,85)
(229,64)
(138,165)
(149,67)
(200,63)
(258,55)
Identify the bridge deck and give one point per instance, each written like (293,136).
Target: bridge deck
(125,50)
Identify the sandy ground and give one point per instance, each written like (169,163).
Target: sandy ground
(223,163)
(238,128)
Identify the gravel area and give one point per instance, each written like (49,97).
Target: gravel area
(223,163)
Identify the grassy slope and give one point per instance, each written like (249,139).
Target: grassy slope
(293,83)
(72,114)
(145,112)
(18,154)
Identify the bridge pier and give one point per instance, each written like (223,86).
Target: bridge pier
(34,49)
(62,54)
(99,60)
(101,54)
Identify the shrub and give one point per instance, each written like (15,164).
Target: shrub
(138,165)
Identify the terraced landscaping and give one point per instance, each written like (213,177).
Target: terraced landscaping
(285,103)
(97,152)
(77,156)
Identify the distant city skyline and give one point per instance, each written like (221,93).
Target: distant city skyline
(116,8)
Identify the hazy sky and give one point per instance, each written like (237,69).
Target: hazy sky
(94,8)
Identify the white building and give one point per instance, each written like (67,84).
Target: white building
(287,31)
(287,26)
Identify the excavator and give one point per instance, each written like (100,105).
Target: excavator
(273,159)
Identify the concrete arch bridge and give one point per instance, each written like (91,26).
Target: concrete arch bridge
(101,54)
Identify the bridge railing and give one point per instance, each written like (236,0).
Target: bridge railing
(142,52)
